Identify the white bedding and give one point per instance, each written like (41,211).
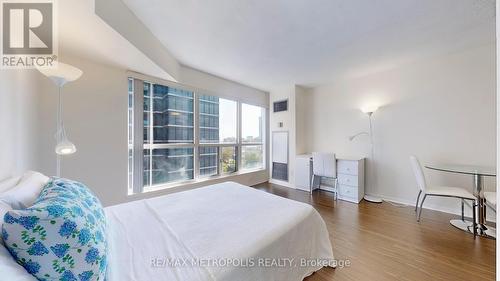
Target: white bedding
(215,225)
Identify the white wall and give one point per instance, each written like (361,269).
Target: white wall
(95,115)
(288,120)
(18,115)
(301,111)
(441,110)
(294,122)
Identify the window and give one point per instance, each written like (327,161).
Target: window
(172,116)
(252,157)
(228,159)
(171,165)
(130,134)
(218,118)
(168,123)
(208,158)
(183,135)
(252,130)
(218,135)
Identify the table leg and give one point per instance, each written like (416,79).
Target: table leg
(482,229)
(478,186)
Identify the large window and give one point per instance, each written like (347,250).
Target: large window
(130,135)
(252,123)
(218,120)
(184,135)
(252,128)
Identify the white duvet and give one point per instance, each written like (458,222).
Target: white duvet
(223,232)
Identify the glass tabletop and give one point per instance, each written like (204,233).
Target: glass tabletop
(464,169)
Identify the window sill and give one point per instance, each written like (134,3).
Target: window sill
(197,181)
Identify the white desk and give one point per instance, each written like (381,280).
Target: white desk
(350,173)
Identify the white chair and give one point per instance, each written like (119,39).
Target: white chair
(324,165)
(442,191)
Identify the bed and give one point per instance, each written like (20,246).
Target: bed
(220,232)
(223,232)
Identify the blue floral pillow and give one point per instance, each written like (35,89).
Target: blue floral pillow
(60,237)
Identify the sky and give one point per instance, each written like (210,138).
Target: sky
(228,120)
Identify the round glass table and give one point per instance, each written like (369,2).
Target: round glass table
(478,173)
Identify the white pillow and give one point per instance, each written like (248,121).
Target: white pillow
(9,183)
(10,268)
(4,208)
(24,194)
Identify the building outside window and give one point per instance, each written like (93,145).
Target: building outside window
(209,133)
(168,118)
(209,119)
(188,136)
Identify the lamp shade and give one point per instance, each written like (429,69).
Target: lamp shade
(65,147)
(369,109)
(61,74)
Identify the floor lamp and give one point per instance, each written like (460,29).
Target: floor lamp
(369,111)
(60,75)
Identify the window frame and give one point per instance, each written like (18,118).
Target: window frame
(138,102)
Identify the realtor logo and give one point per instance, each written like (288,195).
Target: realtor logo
(28,34)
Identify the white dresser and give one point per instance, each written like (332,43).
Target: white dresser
(350,173)
(351,179)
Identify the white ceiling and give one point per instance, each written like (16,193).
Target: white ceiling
(267,43)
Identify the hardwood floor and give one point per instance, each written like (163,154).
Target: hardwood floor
(385,242)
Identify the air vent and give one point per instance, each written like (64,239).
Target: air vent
(280,106)
(280,171)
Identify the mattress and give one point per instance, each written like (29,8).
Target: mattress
(223,232)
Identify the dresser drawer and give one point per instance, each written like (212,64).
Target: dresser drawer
(347,167)
(348,180)
(348,191)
